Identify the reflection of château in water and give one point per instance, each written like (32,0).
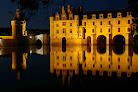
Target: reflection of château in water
(19,56)
(92,59)
(74,27)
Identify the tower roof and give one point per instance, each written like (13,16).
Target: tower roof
(18,15)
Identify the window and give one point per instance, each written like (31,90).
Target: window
(64,30)
(101,66)
(57,64)
(101,23)
(109,22)
(71,18)
(70,57)
(118,29)
(57,31)
(70,64)
(57,57)
(108,59)
(64,65)
(57,25)
(101,30)
(101,58)
(92,30)
(70,24)
(128,21)
(118,59)
(108,29)
(118,21)
(70,30)
(118,66)
(128,29)
(84,23)
(92,58)
(64,24)
(93,23)
(64,58)
(93,65)
(109,66)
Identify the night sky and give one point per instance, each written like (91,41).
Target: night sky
(41,20)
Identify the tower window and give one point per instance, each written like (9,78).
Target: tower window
(118,29)
(101,30)
(84,23)
(101,23)
(118,21)
(128,21)
(109,22)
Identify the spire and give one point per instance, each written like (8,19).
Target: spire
(17,15)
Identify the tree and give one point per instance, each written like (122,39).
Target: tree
(29,8)
(133,6)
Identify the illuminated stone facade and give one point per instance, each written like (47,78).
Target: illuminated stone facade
(78,28)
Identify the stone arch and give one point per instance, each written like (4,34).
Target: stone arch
(101,40)
(39,44)
(101,49)
(119,49)
(63,41)
(119,40)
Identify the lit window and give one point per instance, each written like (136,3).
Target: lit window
(101,23)
(128,29)
(70,57)
(70,30)
(64,30)
(57,25)
(101,30)
(57,57)
(109,22)
(64,65)
(93,23)
(64,24)
(92,30)
(118,29)
(109,30)
(70,24)
(64,58)
(118,21)
(84,23)
(57,31)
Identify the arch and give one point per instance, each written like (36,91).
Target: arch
(101,40)
(101,49)
(119,40)
(89,40)
(64,44)
(135,49)
(119,49)
(63,41)
(136,40)
(39,44)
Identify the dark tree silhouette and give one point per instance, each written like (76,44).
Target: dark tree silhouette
(133,6)
(29,8)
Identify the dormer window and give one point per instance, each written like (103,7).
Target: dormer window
(109,15)
(119,14)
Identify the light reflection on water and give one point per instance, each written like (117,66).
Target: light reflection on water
(73,66)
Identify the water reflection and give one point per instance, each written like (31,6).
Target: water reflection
(70,61)
(20,54)
(101,58)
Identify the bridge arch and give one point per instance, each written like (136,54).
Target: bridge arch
(101,49)
(101,40)
(119,49)
(119,40)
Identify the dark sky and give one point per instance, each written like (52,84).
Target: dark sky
(41,21)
